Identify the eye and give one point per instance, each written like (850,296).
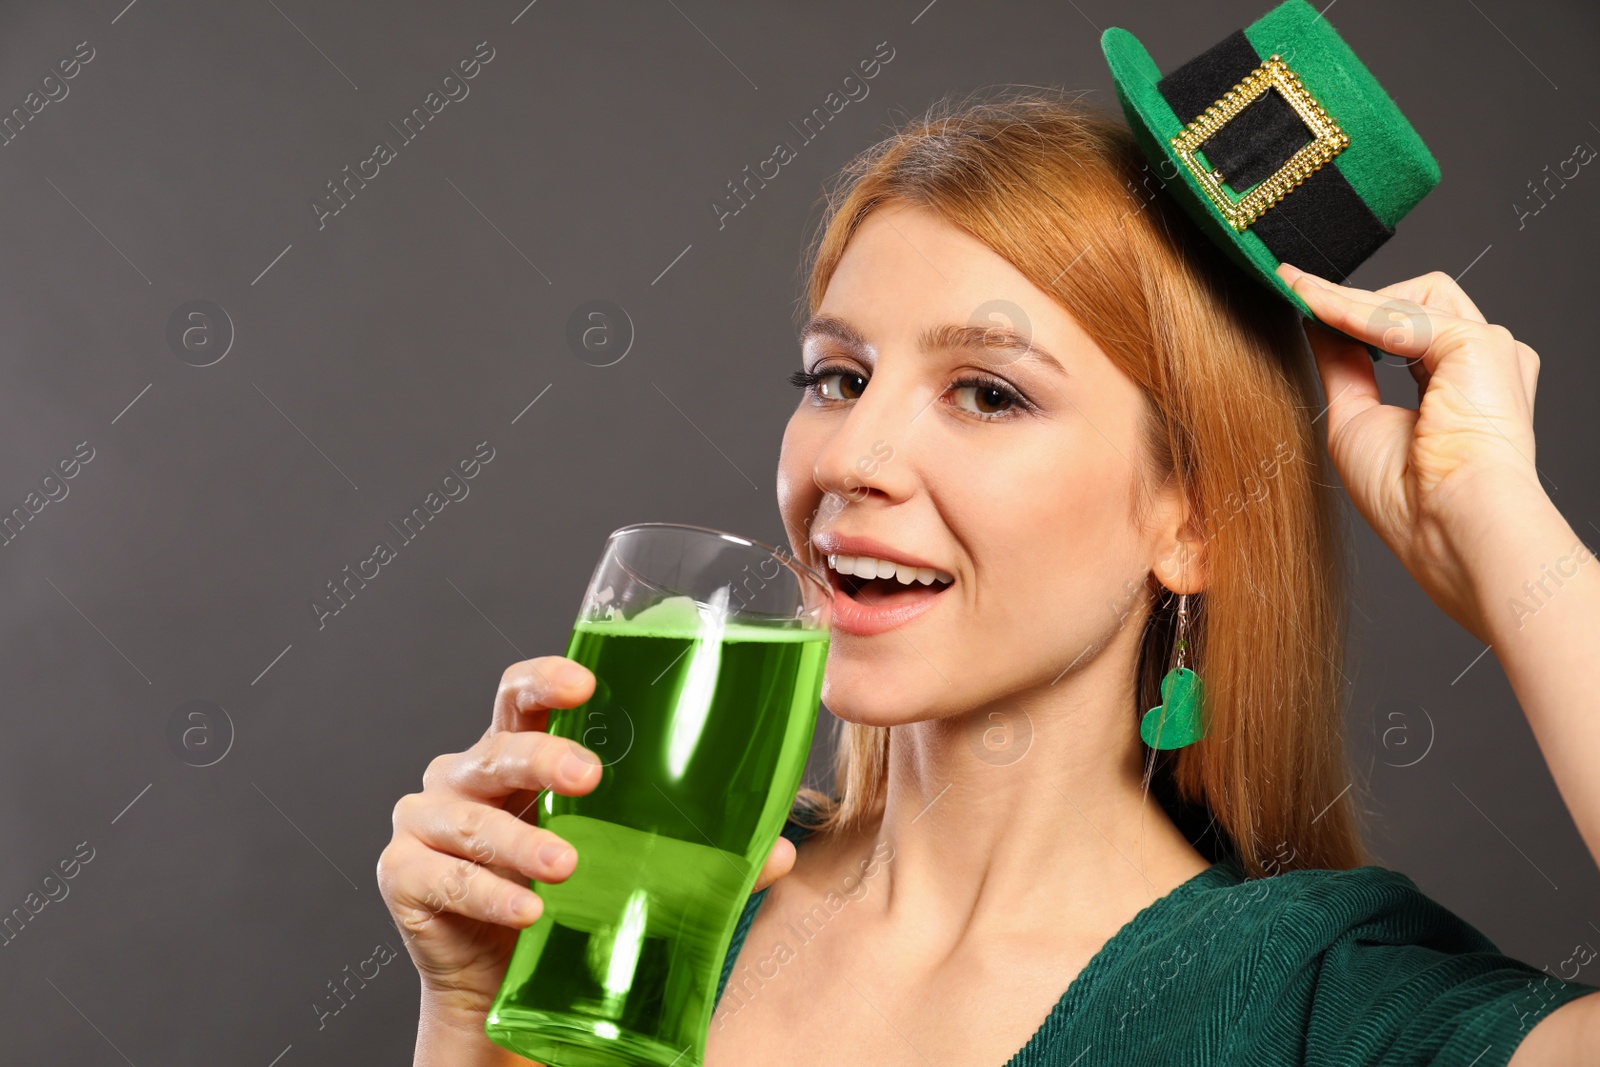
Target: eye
(831,383)
(985,397)
(841,385)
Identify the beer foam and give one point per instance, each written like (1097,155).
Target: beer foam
(681,616)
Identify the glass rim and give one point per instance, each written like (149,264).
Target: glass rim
(782,554)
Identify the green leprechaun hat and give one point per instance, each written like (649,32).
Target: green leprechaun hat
(1279,143)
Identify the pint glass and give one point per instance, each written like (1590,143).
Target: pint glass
(708,652)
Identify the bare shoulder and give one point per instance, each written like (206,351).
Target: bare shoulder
(1567,1037)
(830,866)
(787,966)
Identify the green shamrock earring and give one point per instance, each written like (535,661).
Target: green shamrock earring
(1180,717)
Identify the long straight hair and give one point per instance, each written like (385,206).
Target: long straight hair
(1059,189)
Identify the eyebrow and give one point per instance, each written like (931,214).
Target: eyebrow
(935,338)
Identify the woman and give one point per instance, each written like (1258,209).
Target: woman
(1138,434)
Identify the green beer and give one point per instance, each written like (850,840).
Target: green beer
(703,728)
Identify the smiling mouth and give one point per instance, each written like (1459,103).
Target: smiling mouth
(905,586)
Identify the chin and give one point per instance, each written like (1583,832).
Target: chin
(887,694)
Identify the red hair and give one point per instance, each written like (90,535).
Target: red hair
(1045,180)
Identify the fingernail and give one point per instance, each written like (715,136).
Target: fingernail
(1296,274)
(576,763)
(554,853)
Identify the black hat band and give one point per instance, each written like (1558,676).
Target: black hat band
(1323,225)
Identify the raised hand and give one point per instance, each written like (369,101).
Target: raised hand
(1434,479)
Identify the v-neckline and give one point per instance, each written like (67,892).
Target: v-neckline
(1038,1044)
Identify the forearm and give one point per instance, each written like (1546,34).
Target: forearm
(1539,588)
(447,1039)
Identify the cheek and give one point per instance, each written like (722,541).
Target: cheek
(1057,562)
(798,495)
(1058,514)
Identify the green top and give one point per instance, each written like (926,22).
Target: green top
(1349,968)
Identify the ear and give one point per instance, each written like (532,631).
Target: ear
(1182,563)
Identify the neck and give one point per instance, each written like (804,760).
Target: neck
(1002,814)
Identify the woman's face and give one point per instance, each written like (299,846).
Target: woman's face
(1008,467)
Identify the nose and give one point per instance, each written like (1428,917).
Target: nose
(868,455)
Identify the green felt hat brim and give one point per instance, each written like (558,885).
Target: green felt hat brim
(1386,161)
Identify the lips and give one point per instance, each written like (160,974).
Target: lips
(865,606)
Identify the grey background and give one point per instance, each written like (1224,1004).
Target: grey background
(377,352)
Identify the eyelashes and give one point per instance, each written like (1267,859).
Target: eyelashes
(999,391)
(812,380)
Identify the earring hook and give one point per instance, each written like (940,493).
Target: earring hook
(1183,627)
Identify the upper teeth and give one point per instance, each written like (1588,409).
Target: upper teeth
(868,567)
